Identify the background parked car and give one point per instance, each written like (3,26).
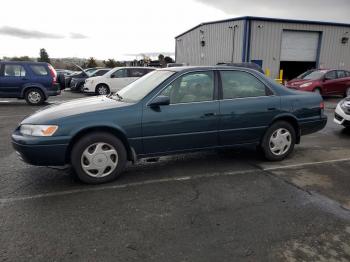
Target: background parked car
(32,81)
(325,82)
(342,113)
(78,74)
(77,83)
(114,80)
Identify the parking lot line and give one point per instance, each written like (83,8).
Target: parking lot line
(162,180)
(306,164)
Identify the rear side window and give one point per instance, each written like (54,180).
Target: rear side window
(14,70)
(238,84)
(39,70)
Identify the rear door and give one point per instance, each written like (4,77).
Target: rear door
(12,79)
(247,107)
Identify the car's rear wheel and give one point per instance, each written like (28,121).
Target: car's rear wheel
(98,158)
(278,141)
(102,90)
(347,92)
(34,96)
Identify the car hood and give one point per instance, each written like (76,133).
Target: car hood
(73,108)
(94,77)
(298,82)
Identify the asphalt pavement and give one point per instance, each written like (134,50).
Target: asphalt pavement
(226,205)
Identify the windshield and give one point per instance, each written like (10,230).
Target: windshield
(143,86)
(312,75)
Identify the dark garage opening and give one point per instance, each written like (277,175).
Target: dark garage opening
(292,69)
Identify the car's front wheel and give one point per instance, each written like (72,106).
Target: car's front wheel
(98,158)
(278,141)
(102,90)
(34,96)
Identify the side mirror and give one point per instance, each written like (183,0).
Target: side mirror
(160,101)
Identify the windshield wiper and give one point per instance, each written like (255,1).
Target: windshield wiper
(119,96)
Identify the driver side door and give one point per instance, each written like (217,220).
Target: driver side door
(118,80)
(191,119)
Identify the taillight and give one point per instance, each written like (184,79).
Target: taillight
(53,74)
(322,105)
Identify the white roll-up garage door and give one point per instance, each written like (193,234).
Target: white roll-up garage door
(299,46)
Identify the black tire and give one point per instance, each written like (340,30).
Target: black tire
(102,89)
(34,96)
(62,81)
(89,140)
(265,143)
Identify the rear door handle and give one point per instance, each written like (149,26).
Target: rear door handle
(272,108)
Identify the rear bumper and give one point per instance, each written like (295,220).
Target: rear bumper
(32,152)
(313,126)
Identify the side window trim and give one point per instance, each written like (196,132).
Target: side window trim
(221,94)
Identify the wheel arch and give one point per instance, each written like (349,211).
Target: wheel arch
(102,84)
(291,120)
(26,87)
(131,156)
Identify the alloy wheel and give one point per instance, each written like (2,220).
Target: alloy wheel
(99,160)
(280,141)
(34,97)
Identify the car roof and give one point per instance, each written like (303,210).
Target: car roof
(199,68)
(24,62)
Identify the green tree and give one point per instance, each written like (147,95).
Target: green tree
(111,63)
(44,56)
(168,60)
(91,62)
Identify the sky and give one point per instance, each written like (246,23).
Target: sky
(124,30)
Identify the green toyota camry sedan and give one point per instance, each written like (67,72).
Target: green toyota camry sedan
(169,111)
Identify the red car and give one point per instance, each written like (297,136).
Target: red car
(323,81)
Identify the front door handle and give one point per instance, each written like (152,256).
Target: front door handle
(272,108)
(209,114)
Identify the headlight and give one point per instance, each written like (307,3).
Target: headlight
(38,130)
(306,85)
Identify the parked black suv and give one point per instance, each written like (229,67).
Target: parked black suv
(32,81)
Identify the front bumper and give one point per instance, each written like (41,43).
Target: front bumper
(341,118)
(40,151)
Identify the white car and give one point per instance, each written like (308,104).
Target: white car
(342,113)
(114,80)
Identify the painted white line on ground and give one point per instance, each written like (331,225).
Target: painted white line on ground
(101,188)
(306,164)
(4,101)
(162,180)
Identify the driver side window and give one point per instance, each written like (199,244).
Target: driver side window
(192,87)
(331,75)
(119,73)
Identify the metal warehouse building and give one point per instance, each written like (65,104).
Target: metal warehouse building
(292,45)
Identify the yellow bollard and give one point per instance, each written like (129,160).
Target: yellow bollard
(267,72)
(280,79)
